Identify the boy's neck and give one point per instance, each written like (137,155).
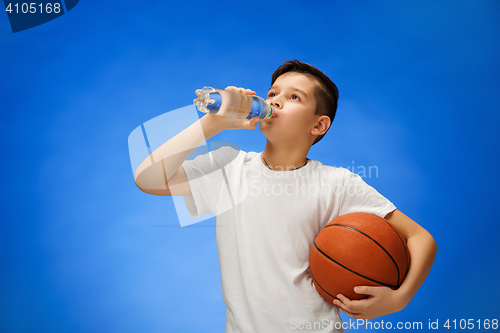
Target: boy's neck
(284,158)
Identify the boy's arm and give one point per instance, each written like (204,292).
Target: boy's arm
(161,172)
(383,300)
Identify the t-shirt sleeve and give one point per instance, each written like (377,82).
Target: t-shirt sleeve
(208,182)
(358,196)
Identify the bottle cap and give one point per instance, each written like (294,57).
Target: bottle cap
(270,113)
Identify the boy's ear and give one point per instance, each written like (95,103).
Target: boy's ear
(321,126)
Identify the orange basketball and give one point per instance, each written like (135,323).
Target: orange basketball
(357,249)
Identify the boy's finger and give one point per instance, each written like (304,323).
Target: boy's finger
(343,299)
(250,124)
(341,302)
(247,91)
(241,90)
(353,315)
(365,290)
(348,305)
(344,308)
(254,122)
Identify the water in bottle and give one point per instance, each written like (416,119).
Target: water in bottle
(231,104)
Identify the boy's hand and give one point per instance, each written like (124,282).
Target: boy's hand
(241,90)
(224,123)
(381,301)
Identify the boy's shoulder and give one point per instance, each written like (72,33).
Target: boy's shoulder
(330,168)
(328,173)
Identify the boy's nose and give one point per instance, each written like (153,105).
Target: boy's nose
(275,104)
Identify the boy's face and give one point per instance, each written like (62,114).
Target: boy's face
(294,105)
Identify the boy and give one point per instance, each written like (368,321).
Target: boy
(270,206)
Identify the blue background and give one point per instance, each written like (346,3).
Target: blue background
(83,250)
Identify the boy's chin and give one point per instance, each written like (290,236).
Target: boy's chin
(265,123)
(265,127)
(272,136)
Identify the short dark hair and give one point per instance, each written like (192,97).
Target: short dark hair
(326,93)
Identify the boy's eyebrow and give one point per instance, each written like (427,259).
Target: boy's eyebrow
(293,88)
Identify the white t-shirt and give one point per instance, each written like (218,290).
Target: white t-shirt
(266,224)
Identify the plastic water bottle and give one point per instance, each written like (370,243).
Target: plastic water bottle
(231,104)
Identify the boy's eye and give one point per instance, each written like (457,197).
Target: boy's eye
(273,94)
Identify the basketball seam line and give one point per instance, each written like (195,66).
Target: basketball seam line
(387,252)
(316,282)
(405,247)
(352,271)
